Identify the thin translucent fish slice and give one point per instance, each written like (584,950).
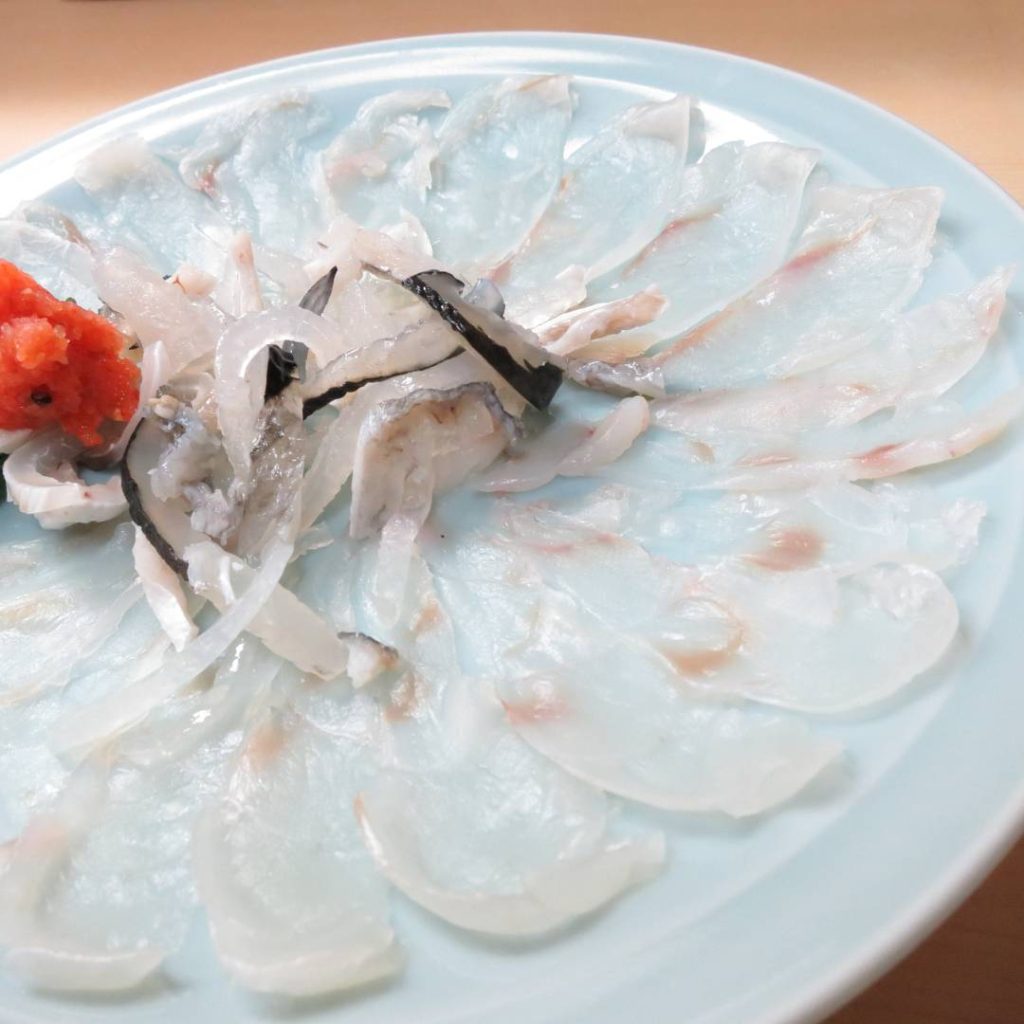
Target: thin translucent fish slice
(816,644)
(382,162)
(80,586)
(60,263)
(469,821)
(871,452)
(97,890)
(257,165)
(616,193)
(731,224)
(558,670)
(145,204)
(910,361)
(498,165)
(841,526)
(294,902)
(779,626)
(860,258)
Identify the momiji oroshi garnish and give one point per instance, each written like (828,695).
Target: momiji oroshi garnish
(59,363)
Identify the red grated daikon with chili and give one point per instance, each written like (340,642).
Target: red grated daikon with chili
(59,363)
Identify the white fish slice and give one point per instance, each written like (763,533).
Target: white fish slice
(581,450)
(616,192)
(906,363)
(465,818)
(774,619)
(860,258)
(871,452)
(256,163)
(294,902)
(97,890)
(731,223)
(382,162)
(813,643)
(145,203)
(42,247)
(498,165)
(80,586)
(843,526)
(157,310)
(559,662)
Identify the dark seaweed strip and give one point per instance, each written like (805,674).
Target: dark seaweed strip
(315,404)
(282,366)
(536,384)
(139,515)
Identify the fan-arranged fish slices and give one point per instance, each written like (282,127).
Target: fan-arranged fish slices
(482,475)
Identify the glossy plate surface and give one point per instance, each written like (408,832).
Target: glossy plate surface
(755,922)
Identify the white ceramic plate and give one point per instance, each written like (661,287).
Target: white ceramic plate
(754,922)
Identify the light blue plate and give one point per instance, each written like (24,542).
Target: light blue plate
(770,921)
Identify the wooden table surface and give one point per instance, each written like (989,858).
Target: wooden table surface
(954,67)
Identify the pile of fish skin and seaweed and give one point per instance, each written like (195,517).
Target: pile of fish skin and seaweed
(337,627)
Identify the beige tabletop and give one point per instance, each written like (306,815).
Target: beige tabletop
(953,67)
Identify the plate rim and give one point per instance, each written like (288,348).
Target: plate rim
(933,904)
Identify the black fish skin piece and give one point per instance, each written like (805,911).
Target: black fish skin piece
(537,385)
(315,404)
(319,294)
(282,365)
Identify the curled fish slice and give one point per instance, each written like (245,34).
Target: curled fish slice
(615,194)
(860,258)
(164,593)
(334,459)
(731,224)
(909,361)
(256,164)
(151,209)
(294,902)
(587,448)
(499,162)
(381,163)
(42,480)
(577,330)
